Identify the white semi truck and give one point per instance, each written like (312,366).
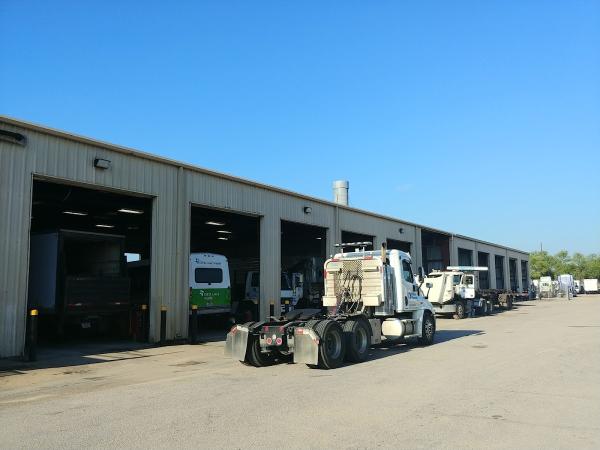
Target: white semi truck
(456,291)
(370,296)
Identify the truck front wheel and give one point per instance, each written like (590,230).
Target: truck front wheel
(358,340)
(332,345)
(460,309)
(428,330)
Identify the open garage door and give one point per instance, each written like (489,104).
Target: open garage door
(89,264)
(224,266)
(436,250)
(303,254)
(403,246)
(350,236)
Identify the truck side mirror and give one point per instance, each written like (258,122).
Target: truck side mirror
(420,272)
(428,285)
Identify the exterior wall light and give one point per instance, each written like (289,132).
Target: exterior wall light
(307,210)
(401,230)
(100,163)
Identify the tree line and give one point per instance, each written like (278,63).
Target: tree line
(580,266)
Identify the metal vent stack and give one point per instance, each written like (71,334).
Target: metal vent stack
(340,192)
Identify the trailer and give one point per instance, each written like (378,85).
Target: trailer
(370,297)
(79,278)
(456,291)
(591,286)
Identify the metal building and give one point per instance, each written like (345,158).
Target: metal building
(31,154)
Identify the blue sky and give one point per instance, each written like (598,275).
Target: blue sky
(481,118)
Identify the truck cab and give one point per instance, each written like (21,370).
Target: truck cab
(455,291)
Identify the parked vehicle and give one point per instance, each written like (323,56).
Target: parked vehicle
(210,284)
(566,285)
(79,279)
(292,286)
(590,286)
(369,296)
(579,286)
(547,288)
(457,291)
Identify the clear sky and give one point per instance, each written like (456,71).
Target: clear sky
(478,117)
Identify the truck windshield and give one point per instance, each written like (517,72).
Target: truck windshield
(455,279)
(208,275)
(285,283)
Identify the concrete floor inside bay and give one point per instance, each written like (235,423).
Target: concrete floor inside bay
(526,378)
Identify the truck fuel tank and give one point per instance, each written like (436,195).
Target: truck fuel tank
(397,328)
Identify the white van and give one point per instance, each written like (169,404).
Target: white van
(210,285)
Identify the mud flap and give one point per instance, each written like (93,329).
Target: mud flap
(306,346)
(237,343)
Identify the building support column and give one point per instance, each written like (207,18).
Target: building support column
(270,264)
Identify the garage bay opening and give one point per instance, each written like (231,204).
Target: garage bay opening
(89,263)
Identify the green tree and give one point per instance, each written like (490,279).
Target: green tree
(579,265)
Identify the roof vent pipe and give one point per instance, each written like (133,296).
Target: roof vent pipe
(340,192)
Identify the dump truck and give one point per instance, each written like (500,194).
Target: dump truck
(370,297)
(79,279)
(456,291)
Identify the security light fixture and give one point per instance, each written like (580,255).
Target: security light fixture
(307,210)
(223,238)
(215,224)
(75,213)
(319,238)
(102,225)
(100,163)
(224,231)
(131,211)
(401,230)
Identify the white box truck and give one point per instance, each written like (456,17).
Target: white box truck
(590,286)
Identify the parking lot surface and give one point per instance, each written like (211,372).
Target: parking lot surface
(525,378)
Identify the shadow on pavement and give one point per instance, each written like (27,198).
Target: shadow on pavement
(78,354)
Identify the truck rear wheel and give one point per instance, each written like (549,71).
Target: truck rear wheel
(428,329)
(484,308)
(332,345)
(358,340)
(254,356)
(460,310)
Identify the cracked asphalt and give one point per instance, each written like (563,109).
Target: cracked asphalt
(525,378)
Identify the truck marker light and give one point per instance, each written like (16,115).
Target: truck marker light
(265,328)
(234,329)
(269,341)
(274,336)
(299,330)
(278,341)
(281,328)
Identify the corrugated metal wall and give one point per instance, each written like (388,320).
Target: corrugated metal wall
(70,161)
(174,189)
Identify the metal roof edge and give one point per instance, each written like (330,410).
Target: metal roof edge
(161,159)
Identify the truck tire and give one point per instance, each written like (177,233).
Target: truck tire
(254,356)
(460,309)
(332,345)
(428,329)
(484,308)
(358,340)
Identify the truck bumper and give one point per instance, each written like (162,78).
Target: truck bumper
(237,342)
